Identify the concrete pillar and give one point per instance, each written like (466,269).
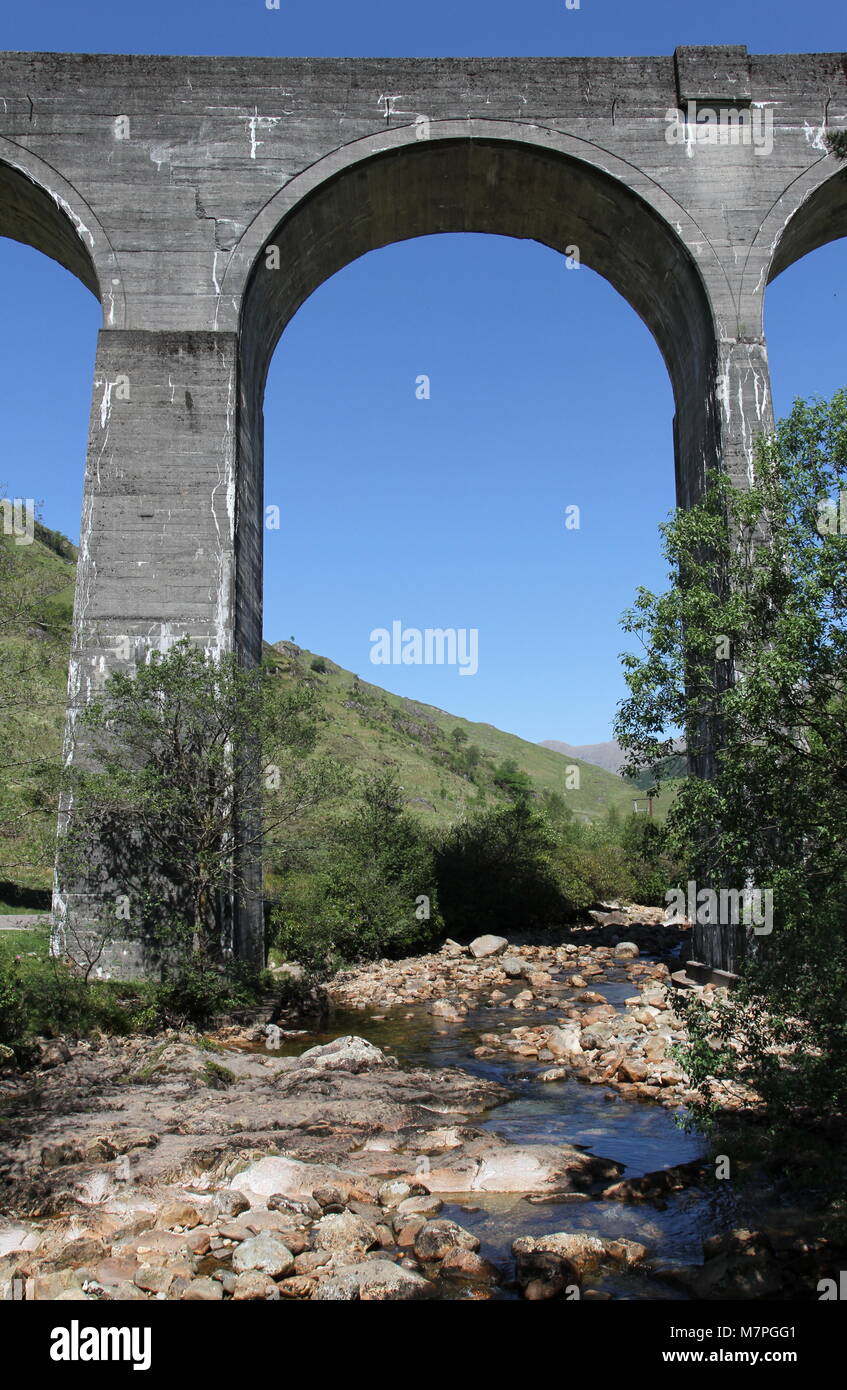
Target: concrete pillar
(161,556)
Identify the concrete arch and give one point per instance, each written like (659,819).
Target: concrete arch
(41,209)
(479,176)
(821,217)
(810,211)
(408,187)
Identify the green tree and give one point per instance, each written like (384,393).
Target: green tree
(165,812)
(374,897)
(34,614)
(494,873)
(746,654)
(512,781)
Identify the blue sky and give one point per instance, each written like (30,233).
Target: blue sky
(546,389)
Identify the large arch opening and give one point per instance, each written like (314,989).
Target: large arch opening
(47,353)
(489,185)
(30,215)
(820,219)
(440,449)
(804,301)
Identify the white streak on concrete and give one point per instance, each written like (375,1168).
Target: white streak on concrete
(257,122)
(225,544)
(815,137)
(77,221)
(106,402)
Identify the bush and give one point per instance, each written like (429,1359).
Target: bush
(613,858)
(12,1012)
(494,873)
(365,903)
(195,990)
(56,999)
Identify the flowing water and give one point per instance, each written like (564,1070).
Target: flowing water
(641,1135)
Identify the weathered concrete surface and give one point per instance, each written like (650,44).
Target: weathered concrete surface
(163,183)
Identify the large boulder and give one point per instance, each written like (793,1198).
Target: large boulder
(571,1255)
(265,1253)
(277,1176)
(437,1238)
(343,1054)
(513,967)
(375,1281)
(345,1231)
(483,946)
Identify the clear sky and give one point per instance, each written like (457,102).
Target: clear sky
(546,389)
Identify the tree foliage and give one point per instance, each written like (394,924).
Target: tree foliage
(746,654)
(164,811)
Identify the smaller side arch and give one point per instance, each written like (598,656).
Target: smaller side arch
(820,219)
(39,208)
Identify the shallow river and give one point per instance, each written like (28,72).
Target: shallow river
(642,1136)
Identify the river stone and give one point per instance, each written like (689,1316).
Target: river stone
(445,1008)
(264,1253)
(155,1278)
(513,966)
(437,1238)
(626,950)
(483,946)
(467,1264)
(373,1281)
(565,1252)
(253,1284)
(393,1192)
(202,1291)
(231,1203)
(563,1042)
(179,1214)
(343,1054)
(345,1231)
(634,1069)
(426,1205)
(406,1228)
(278,1176)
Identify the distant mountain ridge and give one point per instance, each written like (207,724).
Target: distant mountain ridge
(370,727)
(608,755)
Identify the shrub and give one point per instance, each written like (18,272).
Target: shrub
(194,990)
(493,873)
(365,902)
(12,1012)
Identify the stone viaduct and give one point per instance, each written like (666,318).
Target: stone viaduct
(203,199)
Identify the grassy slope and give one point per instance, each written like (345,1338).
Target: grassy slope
(371,727)
(34,719)
(366,726)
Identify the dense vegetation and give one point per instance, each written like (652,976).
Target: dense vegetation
(384,824)
(747,653)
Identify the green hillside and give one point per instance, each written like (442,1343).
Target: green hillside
(447,766)
(36,606)
(369,727)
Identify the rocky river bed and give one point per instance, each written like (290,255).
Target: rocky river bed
(493,1121)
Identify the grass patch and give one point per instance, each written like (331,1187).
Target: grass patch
(34,942)
(216,1076)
